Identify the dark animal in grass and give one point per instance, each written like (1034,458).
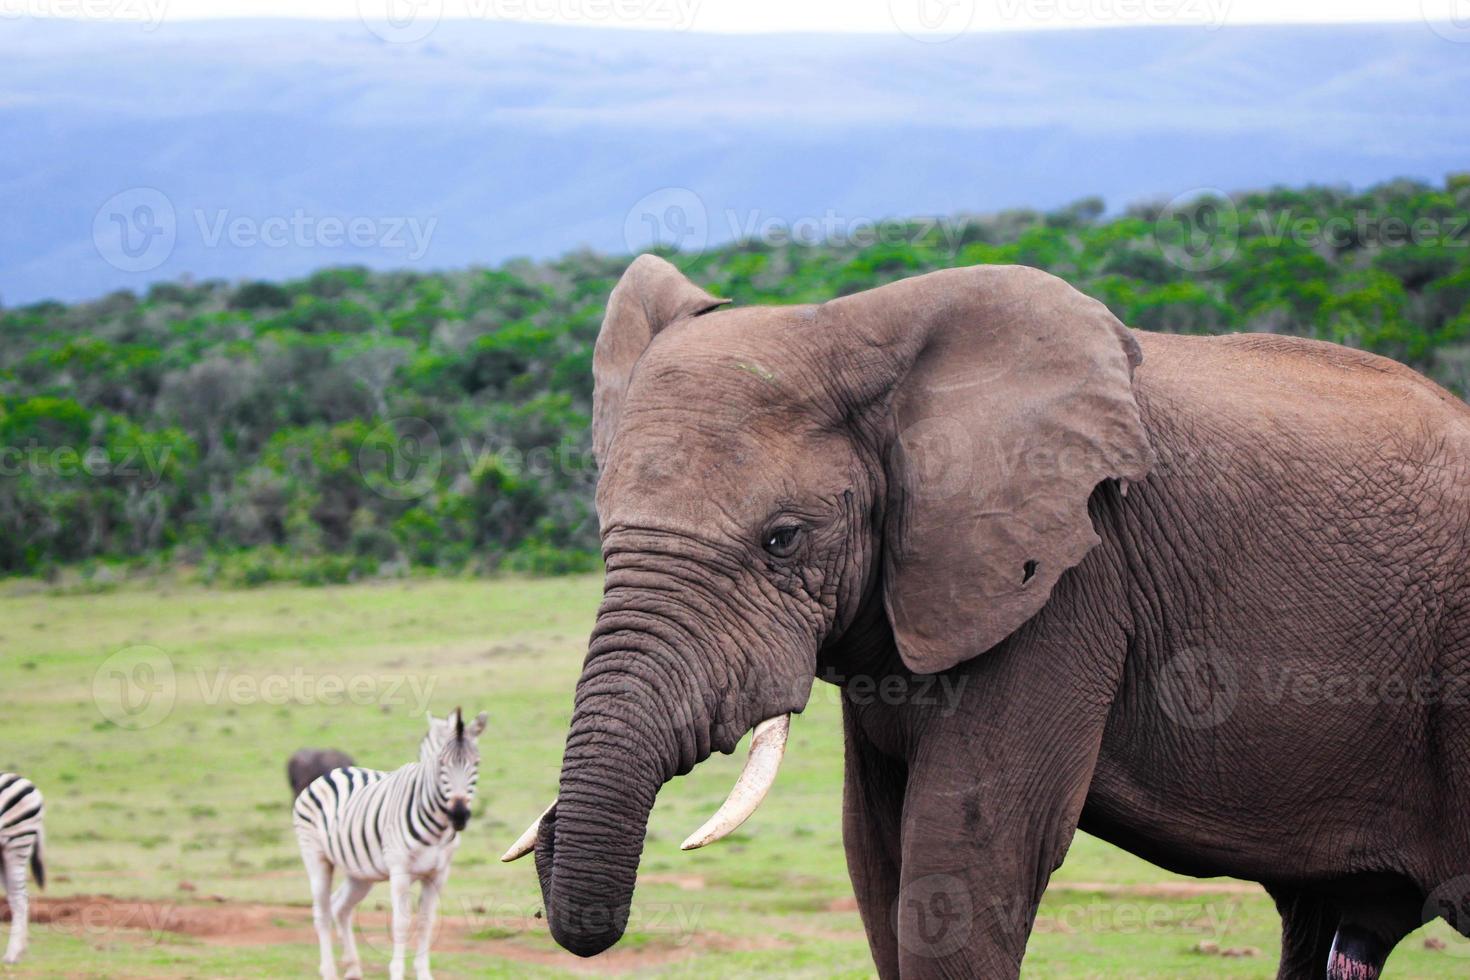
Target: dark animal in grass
(1207,598)
(305,766)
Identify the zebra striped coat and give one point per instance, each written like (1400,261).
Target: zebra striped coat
(367,822)
(22,843)
(379,826)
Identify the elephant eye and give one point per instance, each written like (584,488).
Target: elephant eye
(783,541)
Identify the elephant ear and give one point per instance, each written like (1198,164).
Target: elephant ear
(650,296)
(1011,399)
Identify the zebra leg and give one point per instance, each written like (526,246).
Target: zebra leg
(428,907)
(401,882)
(17,855)
(344,907)
(319,872)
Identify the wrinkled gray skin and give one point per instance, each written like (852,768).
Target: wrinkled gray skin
(307,764)
(1185,589)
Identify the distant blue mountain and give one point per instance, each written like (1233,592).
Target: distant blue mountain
(269,148)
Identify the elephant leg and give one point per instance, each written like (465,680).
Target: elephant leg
(994,793)
(872,811)
(1308,924)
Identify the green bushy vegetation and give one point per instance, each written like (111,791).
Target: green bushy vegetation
(356,423)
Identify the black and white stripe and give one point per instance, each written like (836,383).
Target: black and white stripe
(398,827)
(22,843)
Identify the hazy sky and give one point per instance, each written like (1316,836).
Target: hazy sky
(912,16)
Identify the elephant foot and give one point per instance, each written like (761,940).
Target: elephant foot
(1356,954)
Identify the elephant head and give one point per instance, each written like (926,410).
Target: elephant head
(922,452)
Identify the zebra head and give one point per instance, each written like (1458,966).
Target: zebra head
(451,756)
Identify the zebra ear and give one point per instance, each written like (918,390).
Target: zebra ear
(477,727)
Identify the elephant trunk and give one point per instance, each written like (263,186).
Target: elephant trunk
(639,720)
(589,846)
(658,695)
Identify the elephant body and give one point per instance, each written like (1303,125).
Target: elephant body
(304,766)
(1236,692)
(1205,598)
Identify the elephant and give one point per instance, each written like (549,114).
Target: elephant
(1205,598)
(304,766)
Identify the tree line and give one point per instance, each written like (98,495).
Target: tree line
(356,423)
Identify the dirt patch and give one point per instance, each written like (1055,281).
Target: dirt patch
(214,921)
(219,922)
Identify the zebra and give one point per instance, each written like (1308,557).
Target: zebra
(22,842)
(398,827)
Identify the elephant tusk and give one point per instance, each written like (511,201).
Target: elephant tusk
(526,843)
(766,749)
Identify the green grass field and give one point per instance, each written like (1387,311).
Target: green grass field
(158,723)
